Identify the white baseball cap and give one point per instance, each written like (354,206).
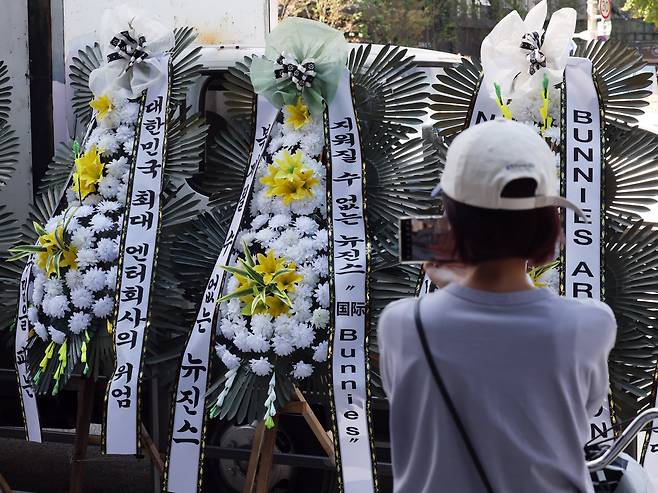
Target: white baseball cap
(484,158)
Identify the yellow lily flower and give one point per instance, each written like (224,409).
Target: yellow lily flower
(268,265)
(52,247)
(286,282)
(102,105)
(275,306)
(297,115)
(89,171)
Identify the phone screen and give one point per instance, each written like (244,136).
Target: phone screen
(426,238)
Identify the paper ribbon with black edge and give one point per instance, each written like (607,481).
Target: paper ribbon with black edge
(184,464)
(138,251)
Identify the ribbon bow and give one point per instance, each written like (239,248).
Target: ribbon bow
(127,48)
(280,77)
(302,74)
(532,42)
(519,68)
(136,43)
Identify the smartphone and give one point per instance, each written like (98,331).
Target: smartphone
(425,239)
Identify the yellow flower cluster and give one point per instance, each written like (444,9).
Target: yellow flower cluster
(270,267)
(296,115)
(102,105)
(289,179)
(88,172)
(56,252)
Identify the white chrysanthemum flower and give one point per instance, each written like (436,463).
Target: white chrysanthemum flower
(122,193)
(245,236)
(306,225)
(280,221)
(125,133)
(257,343)
(111,278)
(311,277)
(302,335)
(71,197)
(103,307)
(79,321)
(322,294)
(302,370)
(100,223)
(220,349)
(73,224)
(73,278)
(53,286)
(108,143)
(320,353)
(94,279)
(55,306)
(33,314)
(233,308)
(282,345)
(302,308)
(303,290)
(321,238)
(265,235)
(87,257)
(228,328)
(262,203)
(261,324)
(109,186)
(552,133)
(259,221)
(108,206)
(93,137)
(230,360)
(108,249)
(82,238)
(232,284)
(81,297)
(311,146)
(129,113)
(52,223)
(290,139)
(304,207)
(276,143)
(321,265)
(241,342)
(320,318)
(117,167)
(57,336)
(41,331)
(260,366)
(37,292)
(83,211)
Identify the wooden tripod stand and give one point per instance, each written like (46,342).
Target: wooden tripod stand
(262,448)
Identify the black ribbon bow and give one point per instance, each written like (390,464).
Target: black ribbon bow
(532,42)
(127,48)
(301,74)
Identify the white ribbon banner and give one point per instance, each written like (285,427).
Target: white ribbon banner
(27,393)
(349,353)
(137,265)
(184,464)
(582,168)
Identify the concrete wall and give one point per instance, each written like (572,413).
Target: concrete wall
(16,195)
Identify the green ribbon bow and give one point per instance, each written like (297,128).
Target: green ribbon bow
(300,53)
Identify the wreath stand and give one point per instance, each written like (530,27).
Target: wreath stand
(85,390)
(262,448)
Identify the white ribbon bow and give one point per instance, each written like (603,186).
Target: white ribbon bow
(517,53)
(134,40)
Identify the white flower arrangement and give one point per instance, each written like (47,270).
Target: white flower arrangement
(75,260)
(277,321)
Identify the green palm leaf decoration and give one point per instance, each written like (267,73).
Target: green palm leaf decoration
(631,288)
(86,61)
(184,62)
(238,84)
(186,141)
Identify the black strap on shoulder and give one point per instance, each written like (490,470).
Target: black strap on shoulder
(446,397)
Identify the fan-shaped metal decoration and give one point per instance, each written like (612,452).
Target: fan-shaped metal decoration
(388,95)
(8,140)
(631,285)
(82,65)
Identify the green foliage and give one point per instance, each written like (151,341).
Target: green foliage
(645,9)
